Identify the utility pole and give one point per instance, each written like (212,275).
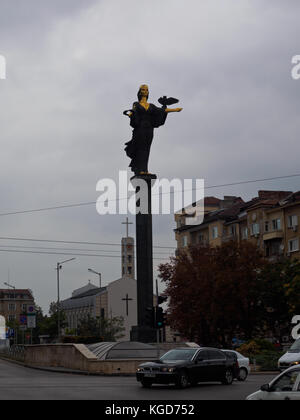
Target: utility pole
(15,320)
(100,283)
(58,268)
(157,330)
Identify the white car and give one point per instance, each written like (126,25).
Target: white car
(284,387)
(291,358)
(244,365)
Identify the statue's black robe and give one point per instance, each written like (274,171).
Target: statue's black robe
(143,122)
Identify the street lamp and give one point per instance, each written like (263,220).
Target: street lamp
(100,280)
(58,268)
(98,274)
(15,323)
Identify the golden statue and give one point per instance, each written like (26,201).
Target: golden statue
(144,117)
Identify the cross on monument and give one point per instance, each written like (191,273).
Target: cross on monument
(127,299)
(127,223)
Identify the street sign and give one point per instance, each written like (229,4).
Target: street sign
(10,333)
(31,322)
(31,309)
(23,319)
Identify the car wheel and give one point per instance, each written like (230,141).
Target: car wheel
(228,379)
(243,375)
(146,384)
(183,380)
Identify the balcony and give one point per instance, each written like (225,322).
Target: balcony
(270,236)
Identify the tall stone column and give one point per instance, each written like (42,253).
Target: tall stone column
(144,331)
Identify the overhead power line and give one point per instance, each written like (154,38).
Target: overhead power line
(71,249)
(90,203)
(15,251)
(72,242)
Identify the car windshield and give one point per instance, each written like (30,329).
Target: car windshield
(178,355)
(295,347)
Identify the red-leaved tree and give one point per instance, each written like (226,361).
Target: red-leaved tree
(215,292)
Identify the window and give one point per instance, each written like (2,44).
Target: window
(232,230)
(216,355)
(181,222)
(245,233)
(185,241)
(267,226)
(286,382)
(24,307)
(203,355)
(176,354)
(276,224)
(12,307)
(292,221)
(12,318)
(255,228)
(215,232)
(294,245)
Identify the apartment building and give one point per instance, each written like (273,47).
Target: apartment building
(270,221)
(14,303)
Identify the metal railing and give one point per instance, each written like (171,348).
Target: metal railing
(14,353)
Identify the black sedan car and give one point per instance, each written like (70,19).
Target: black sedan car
(184,366)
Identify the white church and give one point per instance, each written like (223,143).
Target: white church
(117,299)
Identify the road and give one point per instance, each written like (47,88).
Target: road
(21,383)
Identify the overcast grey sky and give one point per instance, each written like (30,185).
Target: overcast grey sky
(73,66)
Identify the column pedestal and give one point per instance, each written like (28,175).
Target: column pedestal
(144,331)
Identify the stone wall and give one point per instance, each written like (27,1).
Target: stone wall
(76,357)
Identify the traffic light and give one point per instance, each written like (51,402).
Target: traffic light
(159,318)
(150,317)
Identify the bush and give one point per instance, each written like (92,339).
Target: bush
(256,346)
(249,349)
(262,352)
(267,361)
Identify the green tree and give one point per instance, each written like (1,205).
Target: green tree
(47,325)
(281,296)
(106,329)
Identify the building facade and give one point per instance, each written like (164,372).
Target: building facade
(14,303)
(128,260)
(117,299)
(87,301)
(270,221)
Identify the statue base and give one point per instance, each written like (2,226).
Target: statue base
(145,331)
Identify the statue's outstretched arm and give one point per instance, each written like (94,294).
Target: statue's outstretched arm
(168,110)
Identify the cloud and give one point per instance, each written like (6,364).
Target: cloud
(74,66)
